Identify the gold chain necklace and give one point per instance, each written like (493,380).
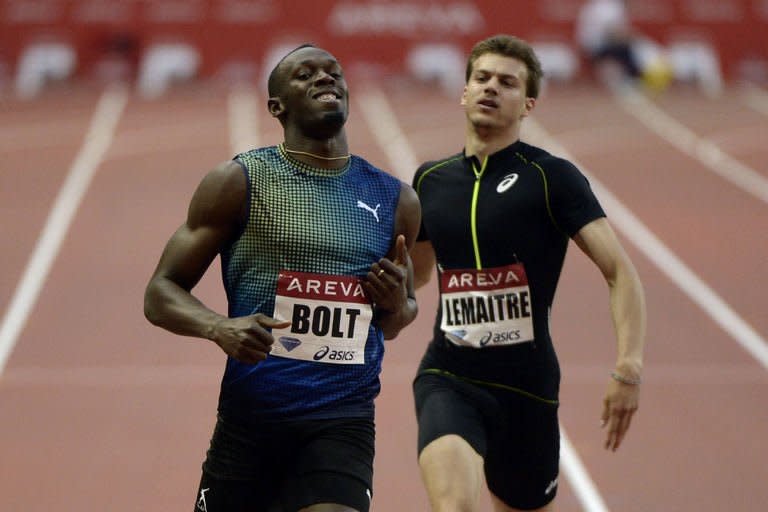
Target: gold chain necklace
(327,158)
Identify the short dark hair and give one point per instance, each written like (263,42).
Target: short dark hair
(510,46)
(274,78)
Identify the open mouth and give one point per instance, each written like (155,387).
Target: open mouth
(327,97)
(487,103)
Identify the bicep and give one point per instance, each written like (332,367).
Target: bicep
(187,255)
(423,257)
(213,219)
(421,254)
(599,242)
(572,202)
(408,216)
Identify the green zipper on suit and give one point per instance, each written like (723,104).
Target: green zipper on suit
(473,215)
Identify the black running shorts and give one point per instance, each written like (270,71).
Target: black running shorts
(287,466)
(516,434)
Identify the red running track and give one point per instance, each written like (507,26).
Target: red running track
(101,411)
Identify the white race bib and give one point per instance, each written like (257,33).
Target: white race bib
(330,318)
(486,308)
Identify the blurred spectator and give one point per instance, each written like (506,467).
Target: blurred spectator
(44,61)
(118,59)
(605,35)
(620,56)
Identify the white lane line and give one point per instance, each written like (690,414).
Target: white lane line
(578,477)
(756,99)
(703,150)
(97,141)
(662,256)
(383,123)
(243,120)
(155,139)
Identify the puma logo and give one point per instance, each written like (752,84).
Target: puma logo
(374,211)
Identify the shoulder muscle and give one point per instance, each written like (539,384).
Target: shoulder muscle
(220,198)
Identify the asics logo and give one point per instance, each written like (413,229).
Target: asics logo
(321,353)
(506,182)
(201,505)
(374,211)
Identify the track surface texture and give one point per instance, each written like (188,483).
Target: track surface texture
(103,412)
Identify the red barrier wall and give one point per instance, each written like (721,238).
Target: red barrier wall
(379,32)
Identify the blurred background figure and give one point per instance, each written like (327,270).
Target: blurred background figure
(620,56)
(164,64)
(118,59)
(44,62)
(604,34)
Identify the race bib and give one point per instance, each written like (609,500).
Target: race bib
(330,317)
(486,308)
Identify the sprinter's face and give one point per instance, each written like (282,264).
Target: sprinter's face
(495,94)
